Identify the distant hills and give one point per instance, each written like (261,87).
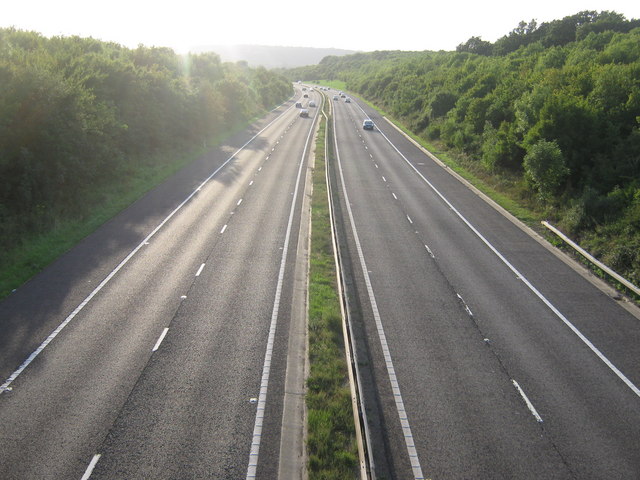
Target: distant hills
(272,57)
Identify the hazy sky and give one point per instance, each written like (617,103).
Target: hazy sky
(356,25)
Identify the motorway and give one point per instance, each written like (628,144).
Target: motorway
(482,353)
(160,346)
(170,343)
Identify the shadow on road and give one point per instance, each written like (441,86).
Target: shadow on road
(30,314)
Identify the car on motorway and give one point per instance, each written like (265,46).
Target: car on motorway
(335,97)
(312,104)
(347,100)
(306,95)
(367,124)
(298,104)
(304,113)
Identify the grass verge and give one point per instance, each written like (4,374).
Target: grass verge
(331,441)
(37,251)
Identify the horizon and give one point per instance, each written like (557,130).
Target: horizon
(189,26)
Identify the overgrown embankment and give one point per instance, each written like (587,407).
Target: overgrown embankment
(548,115)
(331,443)
(86,127)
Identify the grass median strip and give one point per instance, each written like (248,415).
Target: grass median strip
(331,440)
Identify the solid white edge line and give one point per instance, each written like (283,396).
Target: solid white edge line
(402,414)
(90,467)
(162,335)
(144,242)
(200,270)
(519,275)
(530,406)
(252,466)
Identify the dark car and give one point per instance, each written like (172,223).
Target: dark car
(367,124)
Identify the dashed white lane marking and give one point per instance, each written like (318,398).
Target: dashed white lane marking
(384,179)
(406,429)
(394,195)
(466,307)
(527,401)
(108,278)
(409,218)
(251,183)
(160,339)
(239,202)
(223,229)
(430,252)
(519,275)
(266,369)
(92,465)
(200,270)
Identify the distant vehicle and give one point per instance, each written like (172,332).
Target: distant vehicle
(304,113)
(312,103)
(367,124)
(347,100)
(304,89)
(299,81)
(298,104)
(335,97)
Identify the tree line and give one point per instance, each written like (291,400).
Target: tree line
(555,107)
(77,113)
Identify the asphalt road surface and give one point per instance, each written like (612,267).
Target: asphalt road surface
(157,348)
(489,356)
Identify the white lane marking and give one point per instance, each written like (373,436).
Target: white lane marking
(430,252)
(266,369)
(402,414)
(394,195)
(108,278)
(260,169)
(91,466)
(223,229)
(200,270)
(384,179)
(530,406)
(409,218)
(466,307)
(239,202)
(162,335)
(517,273)
(251,183)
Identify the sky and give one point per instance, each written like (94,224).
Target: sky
(352,25)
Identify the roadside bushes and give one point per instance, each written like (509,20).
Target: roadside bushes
(77,113)
(553,109)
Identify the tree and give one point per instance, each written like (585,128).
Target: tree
(476,45)
(544,168)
